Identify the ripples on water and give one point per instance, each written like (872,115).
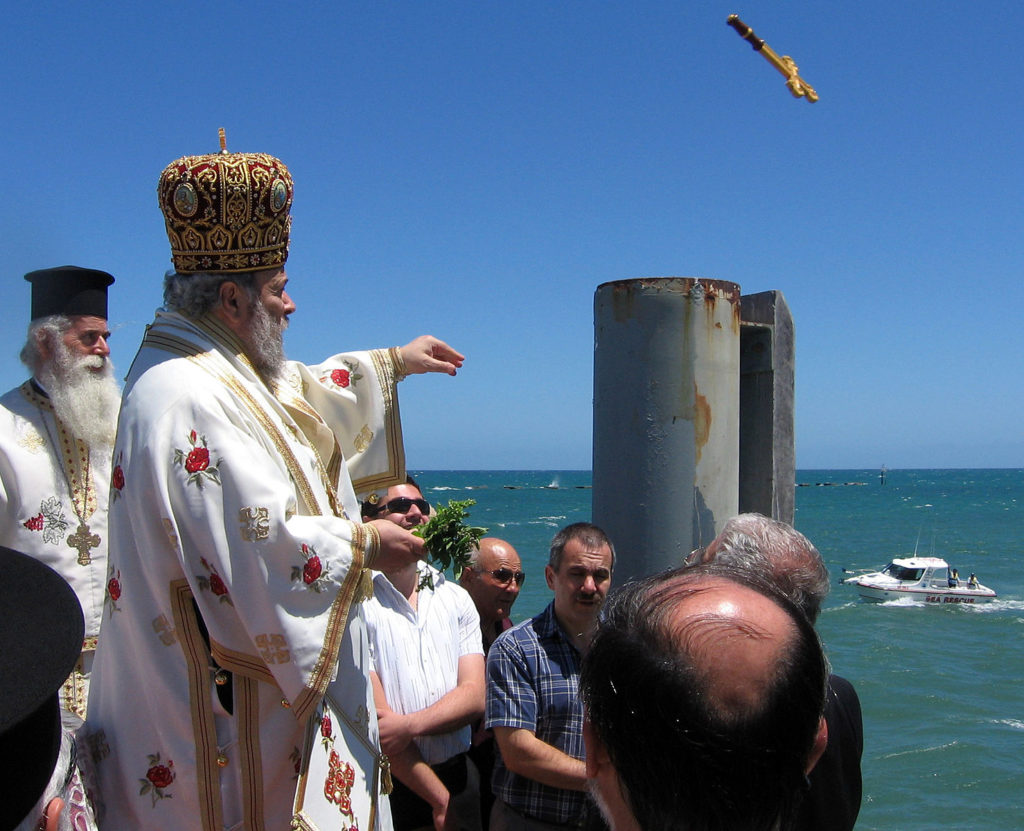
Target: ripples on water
(941,687)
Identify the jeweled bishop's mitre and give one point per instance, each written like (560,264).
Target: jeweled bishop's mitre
(226,212)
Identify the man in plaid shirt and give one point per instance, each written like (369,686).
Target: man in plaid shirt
(533,702)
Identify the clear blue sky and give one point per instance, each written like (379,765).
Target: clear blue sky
(476,169)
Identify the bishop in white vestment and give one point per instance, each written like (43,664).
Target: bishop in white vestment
(231,686)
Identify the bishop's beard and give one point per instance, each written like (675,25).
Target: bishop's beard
(84,395)
(266,344)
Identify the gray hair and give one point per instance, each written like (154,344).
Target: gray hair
(195,295)
(590,535)
(43,330)
(779,553)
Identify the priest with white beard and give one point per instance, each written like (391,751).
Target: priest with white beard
(56,436)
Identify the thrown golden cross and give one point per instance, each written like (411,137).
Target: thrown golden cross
(797,85)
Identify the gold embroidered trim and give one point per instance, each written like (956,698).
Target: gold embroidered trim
(369,540)
(75,457)
(359,730)
(321,674)
(204,732)
(247,711)
(206,360)
(398,362)
(240,663)
(266,422)
(395,472)
(74,691)
(380,778)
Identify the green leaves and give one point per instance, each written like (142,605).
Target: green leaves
(448,539)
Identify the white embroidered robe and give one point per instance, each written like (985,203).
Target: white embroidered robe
(38,511)
(224,507)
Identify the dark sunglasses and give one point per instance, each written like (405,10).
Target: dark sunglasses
(504,575)
(402,504)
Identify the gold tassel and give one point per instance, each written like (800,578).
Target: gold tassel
(386,785)
(365,584)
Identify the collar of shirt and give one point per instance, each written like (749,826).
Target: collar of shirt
(384,588)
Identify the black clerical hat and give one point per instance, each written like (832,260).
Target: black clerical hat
(41,631)
(69,290)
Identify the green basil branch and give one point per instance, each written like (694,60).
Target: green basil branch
(448,539)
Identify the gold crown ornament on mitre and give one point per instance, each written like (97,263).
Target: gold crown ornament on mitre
(226,211)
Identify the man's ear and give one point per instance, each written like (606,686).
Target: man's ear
(596,752)
(43,343)
(234,301)
(820,743)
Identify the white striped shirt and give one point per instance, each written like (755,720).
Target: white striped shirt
(416,652)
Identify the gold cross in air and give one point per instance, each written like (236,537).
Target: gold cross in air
(797,85)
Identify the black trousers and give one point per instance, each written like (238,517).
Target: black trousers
(409,811)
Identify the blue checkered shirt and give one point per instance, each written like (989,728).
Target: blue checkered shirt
(533,675)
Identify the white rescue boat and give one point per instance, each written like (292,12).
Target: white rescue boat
(924,579)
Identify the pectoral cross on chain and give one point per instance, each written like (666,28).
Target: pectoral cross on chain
(83,541)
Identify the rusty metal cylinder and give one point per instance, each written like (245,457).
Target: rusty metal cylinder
(666,417)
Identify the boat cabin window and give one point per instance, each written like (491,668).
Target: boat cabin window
(903,573)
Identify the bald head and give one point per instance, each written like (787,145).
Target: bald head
(705,691)
(737,639)
(491,581)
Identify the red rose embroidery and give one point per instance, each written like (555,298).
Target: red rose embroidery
(35,523)
(198,460)
(346,378)
(113,589)
(325,726)
(161,775)
(213,582)
(311,571)
(117,478)
(158,778)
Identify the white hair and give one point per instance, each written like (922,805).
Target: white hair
(777,552)
(48,330)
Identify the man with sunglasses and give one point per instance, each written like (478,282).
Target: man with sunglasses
(493,579)
(403,505)
(427,677)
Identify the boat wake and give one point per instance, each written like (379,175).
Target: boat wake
(998,606)
(917,750)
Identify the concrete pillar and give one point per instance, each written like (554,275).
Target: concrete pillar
(666,416)
(767,443)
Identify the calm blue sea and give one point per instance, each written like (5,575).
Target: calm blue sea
(941,687)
